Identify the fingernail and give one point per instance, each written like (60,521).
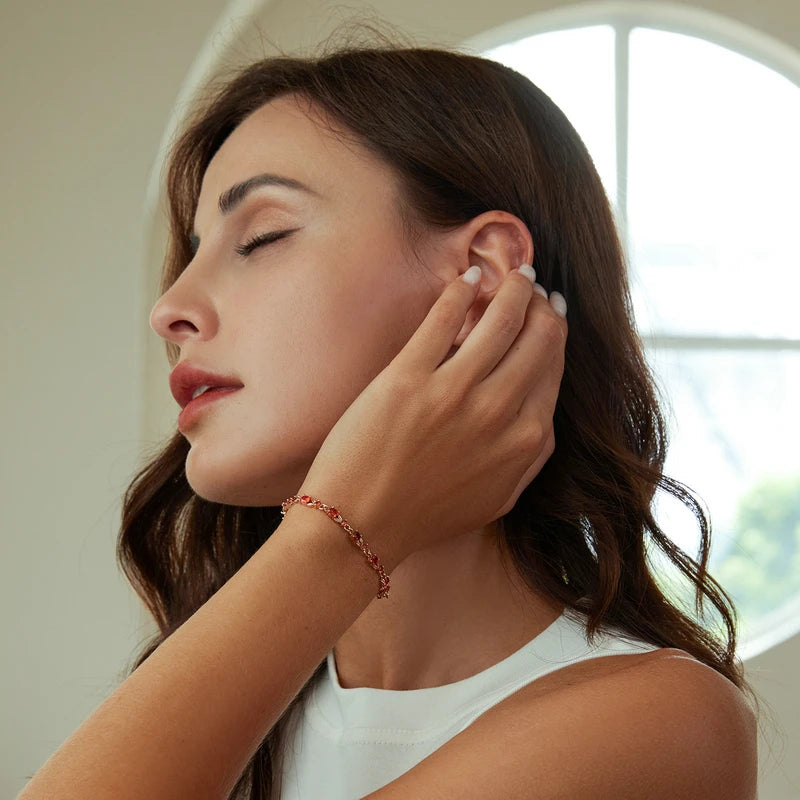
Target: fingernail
(528,271)
(473,275)
(537,287)
(559,303)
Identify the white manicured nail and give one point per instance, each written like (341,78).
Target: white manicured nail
(473,275)
(528,271)
(537,287)
(559,303)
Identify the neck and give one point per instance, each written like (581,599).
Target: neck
(454,610)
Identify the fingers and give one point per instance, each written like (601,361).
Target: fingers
(547,450)
(537,352)
(490,339)
(431,342)
(509,346)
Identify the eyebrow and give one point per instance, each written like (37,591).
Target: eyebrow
(233,197)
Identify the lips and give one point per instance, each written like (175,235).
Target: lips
(186,378)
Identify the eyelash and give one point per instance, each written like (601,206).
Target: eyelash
(260,239)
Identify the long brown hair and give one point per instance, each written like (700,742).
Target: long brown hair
(464,135)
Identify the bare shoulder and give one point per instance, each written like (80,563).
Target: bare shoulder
(659,725)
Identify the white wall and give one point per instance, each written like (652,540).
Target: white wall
(86,92)
(85,89)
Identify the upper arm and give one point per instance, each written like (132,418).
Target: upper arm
(664,729)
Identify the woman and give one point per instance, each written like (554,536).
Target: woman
(499,472)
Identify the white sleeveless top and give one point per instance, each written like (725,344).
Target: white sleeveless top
(347,743)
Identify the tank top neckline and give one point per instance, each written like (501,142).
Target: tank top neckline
(401,695)
(361,713)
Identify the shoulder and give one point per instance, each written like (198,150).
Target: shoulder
(667,726)
(662,725)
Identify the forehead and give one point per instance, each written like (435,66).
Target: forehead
(289,137)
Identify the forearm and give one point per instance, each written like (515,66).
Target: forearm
(188,720)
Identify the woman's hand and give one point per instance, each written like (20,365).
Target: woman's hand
(435,447)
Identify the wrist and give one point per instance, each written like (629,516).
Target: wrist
(381,564)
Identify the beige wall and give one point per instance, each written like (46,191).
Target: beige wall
(87,91)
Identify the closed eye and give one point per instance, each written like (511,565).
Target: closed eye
(261,239)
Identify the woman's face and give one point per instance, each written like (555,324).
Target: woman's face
(304,322)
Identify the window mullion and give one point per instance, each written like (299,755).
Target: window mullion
(621,83)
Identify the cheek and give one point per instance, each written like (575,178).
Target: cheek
(305,365)
(385,303)
(324,355)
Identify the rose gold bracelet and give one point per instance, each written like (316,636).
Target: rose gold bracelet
(355,536)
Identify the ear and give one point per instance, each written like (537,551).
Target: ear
(497,242)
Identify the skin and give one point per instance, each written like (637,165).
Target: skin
(306,323)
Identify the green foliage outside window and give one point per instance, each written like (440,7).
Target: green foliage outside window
(761,569)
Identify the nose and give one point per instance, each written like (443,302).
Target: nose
(182,312)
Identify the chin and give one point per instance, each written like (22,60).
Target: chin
(238,486)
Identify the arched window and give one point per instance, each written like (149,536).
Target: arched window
(695,131)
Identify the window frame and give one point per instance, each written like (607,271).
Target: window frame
(623,17)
